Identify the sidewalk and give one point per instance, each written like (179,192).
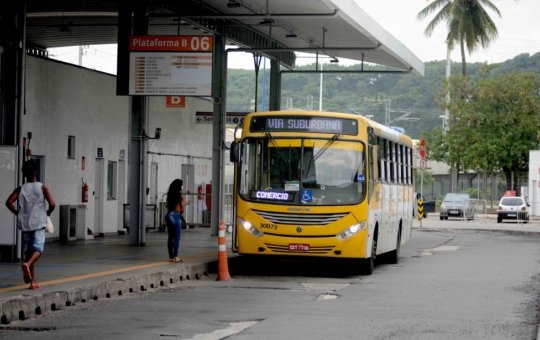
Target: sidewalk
(480,222)
(79,271)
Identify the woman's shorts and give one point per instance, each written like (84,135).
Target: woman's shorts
(34,241)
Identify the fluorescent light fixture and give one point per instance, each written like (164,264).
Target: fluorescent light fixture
(266,21)
(291,34)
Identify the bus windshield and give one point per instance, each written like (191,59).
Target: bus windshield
(302,171)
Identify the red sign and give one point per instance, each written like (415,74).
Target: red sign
(423,148)
(175,101)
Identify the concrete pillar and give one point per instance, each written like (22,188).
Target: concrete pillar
(218,130)
(133,20)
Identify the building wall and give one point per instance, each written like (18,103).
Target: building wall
(534,182)
(183,142)
(64,100)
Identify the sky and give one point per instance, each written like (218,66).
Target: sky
(518,27)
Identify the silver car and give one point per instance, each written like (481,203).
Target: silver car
(457,205)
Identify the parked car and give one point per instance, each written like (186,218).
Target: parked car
(513,208)
(457,205)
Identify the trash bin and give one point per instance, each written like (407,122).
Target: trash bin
(429,206)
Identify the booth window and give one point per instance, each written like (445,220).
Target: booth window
(71,147)
(111,180)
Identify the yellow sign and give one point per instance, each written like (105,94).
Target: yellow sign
(420,209)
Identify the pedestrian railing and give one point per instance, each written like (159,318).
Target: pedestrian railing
(198,212)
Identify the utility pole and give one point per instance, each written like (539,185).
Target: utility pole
(453,170)
(388,120)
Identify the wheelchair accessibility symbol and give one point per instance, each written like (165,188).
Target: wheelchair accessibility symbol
(306,195)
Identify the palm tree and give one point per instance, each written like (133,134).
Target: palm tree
(467,21)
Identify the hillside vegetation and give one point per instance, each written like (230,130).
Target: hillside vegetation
(381,95)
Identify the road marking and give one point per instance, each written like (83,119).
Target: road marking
(446,248)
(102,273)
(234,328)
(327,296)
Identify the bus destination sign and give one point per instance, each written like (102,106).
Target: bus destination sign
(304,124)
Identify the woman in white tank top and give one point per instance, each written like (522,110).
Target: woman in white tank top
(32,199)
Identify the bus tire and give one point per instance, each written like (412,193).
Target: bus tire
(393,256)
(369,264)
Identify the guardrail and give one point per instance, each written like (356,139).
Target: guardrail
(197,213)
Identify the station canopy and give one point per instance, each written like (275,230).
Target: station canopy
(273,28)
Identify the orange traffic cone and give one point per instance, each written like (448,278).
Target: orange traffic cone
(223,267)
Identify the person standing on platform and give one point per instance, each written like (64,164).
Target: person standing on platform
(34,203)
(174,219)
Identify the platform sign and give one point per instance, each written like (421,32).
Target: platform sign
(175,101)
(171,65)
(207,117)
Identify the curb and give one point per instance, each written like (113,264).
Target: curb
(26,307)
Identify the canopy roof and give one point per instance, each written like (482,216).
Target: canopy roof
(276,28)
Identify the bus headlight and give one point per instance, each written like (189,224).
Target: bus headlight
(351,231)
(249,227)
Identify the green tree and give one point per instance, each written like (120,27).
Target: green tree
(495,122)
(467,21)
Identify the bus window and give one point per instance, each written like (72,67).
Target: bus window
(390,161)
(379,159)
(323,172)
(384,161)
(309,177)
(371,152)
(399,163)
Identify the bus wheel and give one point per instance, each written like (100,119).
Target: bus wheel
(393,256)
(369,263)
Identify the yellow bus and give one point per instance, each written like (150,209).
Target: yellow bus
(321,184)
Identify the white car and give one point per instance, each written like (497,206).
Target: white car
(512,208)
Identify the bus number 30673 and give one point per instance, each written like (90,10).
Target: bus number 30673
(268,226)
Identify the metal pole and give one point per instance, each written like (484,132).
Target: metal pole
(219,94)
(275,86)
(321,88)
(20,13)
(422,185)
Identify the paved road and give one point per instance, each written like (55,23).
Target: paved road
(450,284)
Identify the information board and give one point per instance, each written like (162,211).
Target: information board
(304,124)
(171,65)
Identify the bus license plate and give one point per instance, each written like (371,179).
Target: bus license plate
(298,247)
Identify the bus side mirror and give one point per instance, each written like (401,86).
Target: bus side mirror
(234,152)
